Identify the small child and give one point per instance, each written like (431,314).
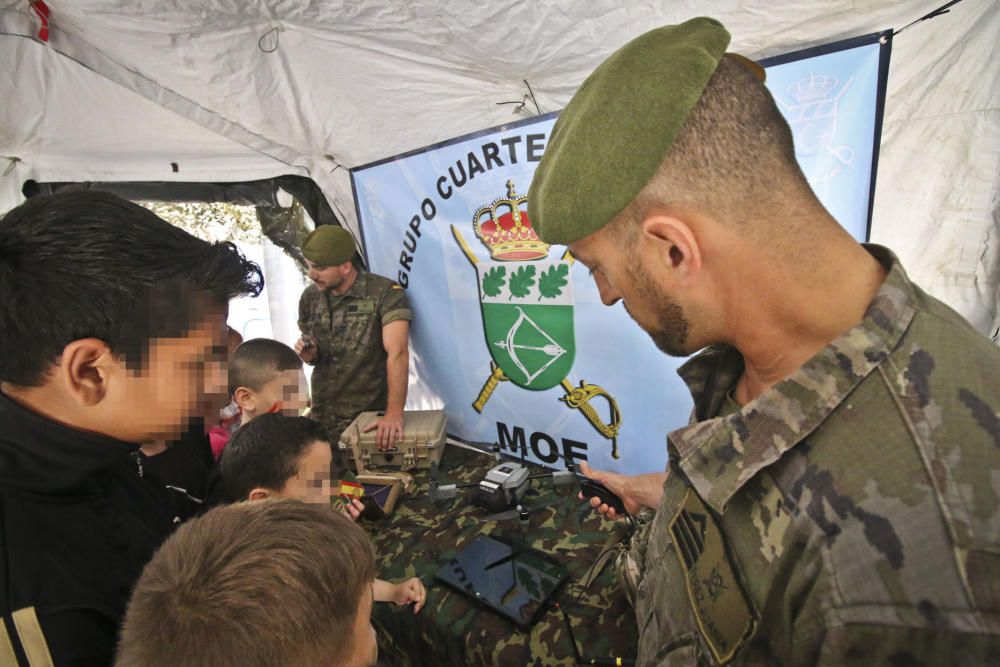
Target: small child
(264,376)
(271,582)
(276,456)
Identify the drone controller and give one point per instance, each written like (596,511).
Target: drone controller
(503,486)
(593,489)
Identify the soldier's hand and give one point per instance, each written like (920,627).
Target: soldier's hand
(306,348)
(635,491)
(411,590)
(390,429)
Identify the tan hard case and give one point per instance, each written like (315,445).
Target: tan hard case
(422,443)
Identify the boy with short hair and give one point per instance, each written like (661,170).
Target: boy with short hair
(265,375)
(276,583)
(276,456)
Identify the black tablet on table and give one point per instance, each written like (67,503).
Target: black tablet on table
(512,580)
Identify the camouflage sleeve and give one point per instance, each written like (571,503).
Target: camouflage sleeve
(305,315)
(879,644)
(303,312)
(918,633)
(395,306)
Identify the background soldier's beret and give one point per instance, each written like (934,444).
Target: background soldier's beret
(328,245)
(615,132)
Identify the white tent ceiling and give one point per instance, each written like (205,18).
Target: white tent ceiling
(238,90)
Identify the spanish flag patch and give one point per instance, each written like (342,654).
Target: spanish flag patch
(350,488)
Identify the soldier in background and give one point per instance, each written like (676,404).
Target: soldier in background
(835,498)
(355,329)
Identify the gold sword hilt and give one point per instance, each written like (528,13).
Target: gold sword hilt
(579,398)
(495,378)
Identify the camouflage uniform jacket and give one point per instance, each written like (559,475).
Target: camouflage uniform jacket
(350,372)
(848,515)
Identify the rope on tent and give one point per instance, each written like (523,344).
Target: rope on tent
(13,163)
(943,9)
(538,109)
(276,31)
(524,100)
(520,104)
(336,164)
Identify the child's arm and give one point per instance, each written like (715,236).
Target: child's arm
(405,592)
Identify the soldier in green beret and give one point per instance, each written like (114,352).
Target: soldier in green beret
(835,498)
(355,329)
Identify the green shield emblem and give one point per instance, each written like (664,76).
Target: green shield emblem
(528,320)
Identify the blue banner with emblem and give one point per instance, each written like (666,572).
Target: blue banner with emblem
(509,334)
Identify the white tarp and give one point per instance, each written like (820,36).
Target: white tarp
(240,90)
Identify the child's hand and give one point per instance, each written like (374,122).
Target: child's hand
(411,590)
(353,509)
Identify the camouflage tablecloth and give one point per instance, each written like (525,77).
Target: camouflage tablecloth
(452,629)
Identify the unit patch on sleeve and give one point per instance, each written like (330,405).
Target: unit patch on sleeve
(724,616)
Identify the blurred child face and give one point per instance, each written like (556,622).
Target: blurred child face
(183,377)
(286,393)
(311,483)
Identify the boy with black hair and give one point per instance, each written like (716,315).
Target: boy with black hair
(267,584)
(112,336)
(276,456)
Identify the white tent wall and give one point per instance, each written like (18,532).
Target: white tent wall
(65,122)
(937,201)
(318,87)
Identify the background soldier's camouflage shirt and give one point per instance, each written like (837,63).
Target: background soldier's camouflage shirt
(848,515)
(350,373)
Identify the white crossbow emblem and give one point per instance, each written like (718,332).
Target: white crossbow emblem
(554,350)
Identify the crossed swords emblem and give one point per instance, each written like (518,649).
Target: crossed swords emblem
(576,398)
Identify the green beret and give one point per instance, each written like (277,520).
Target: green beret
(329,245)
(620,124)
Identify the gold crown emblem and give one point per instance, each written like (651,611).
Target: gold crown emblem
(508,235)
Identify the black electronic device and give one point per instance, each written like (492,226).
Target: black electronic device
(502,487)
(594,489)
(505,485)
(514,581)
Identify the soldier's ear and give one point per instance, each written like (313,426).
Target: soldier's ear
(674,242)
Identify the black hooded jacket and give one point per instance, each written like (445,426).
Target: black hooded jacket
(77,525)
